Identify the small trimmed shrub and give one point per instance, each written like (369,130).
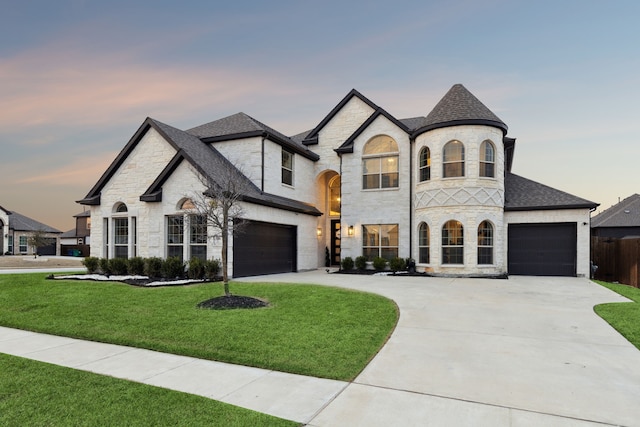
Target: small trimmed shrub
(195,269)
(379,263)
(91,263)
(347,263)
(105,267)
(361,262)
(397,264)
(153,267)
(173,268)
(135,266)
(211,268)
(118,266)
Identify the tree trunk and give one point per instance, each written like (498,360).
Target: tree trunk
(225,250)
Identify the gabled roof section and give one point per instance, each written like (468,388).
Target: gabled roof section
(312,137)
(347,146)
(241,125)
(522,194)
(19,222)
(460,107)
(623,214)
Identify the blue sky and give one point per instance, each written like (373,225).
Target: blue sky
(78,77)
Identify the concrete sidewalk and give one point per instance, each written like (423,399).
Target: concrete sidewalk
(527,351)
(289,396)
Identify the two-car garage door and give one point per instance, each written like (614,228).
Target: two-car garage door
(546,249)
(264,248)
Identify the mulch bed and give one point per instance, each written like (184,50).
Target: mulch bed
(225,302)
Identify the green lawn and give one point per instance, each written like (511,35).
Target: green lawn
(309,330)
(38,394)
(623,316)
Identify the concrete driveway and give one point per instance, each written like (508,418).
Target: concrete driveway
(526,351)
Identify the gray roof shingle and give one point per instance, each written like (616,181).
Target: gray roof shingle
(19,222)
(524,194)
(459,106)
(623,214)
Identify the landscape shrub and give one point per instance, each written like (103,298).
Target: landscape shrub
(211,268)
(173,268)
(153,267)
(135,266)
(361,262)
(397,264)
(347,263)
(195,269)
(105,267)
(379,263)
(118,266)
(91,263)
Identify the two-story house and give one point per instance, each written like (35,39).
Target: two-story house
(435,188)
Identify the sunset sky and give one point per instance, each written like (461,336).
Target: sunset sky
(78,77)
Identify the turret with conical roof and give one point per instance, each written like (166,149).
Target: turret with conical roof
(460,107)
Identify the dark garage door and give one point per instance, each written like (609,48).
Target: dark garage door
(49,248)
(264,248)
(542,249)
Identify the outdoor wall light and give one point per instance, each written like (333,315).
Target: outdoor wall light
(319,231)
(350,231)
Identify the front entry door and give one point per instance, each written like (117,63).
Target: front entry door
(335,242)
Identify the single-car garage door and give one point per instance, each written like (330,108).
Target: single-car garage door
(542,249)
(264,248)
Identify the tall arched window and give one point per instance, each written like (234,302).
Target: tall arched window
(452,243)
(485,243)
(453,159)
(487,160)
(423,243)
(424,165)
(121,232)
(380,163)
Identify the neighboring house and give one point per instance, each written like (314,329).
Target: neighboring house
(435,188)
(620,220)
(15,230)
(77,241)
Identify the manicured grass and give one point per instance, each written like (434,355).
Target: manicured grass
(309,330)
(623,316)
(38,394)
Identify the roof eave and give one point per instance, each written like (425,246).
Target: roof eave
(466,122)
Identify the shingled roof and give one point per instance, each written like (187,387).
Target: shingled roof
(241,125)
(623,214)
(19,222)
(524,194)
(460,107)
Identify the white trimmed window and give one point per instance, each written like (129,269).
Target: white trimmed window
(121,232)
(198,237)
(452,242)
(287,167)
(380,240)
(380,163)
(487,160)
(424,164)
(423,243)
(485,243)
(453,159)
(22,244)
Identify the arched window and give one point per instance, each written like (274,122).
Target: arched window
(452,243)
(453,159)
(121,232)
(487,160)
(187,205)
(485,243)
(380,163)
(121,208)
(424,165)
(423,243)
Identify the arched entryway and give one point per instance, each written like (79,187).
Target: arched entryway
(329,198)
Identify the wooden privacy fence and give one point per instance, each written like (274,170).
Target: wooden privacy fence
(617,259)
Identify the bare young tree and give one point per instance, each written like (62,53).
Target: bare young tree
(220,205)
(37,240)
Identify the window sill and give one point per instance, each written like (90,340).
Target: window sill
(368,190)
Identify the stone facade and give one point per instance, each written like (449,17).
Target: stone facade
(402,200)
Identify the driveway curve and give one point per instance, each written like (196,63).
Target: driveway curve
(523,351)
